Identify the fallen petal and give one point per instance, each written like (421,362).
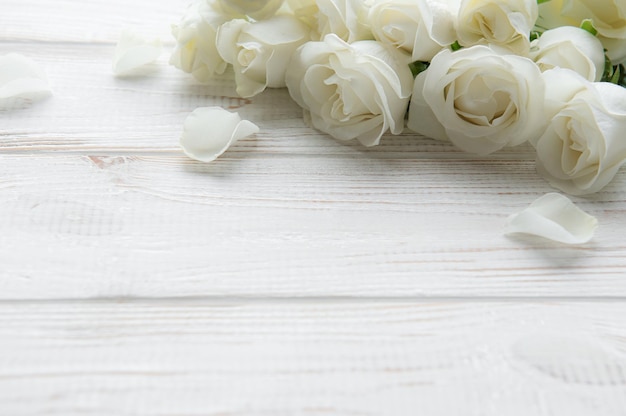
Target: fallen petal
(21,78)
(133,52)
(555,217)
(209,131)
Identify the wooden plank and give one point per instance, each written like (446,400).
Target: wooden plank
(165,358)
(257,225)
(93,21)
(92,111)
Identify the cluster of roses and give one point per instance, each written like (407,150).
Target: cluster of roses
(483,74)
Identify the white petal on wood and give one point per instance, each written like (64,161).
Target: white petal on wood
(133,52)
(555,217)
(21,77)
(209,131)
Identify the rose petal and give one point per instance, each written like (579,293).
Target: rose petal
(209,131)
(256,9)
(21,77)
(133,52)
(555,217)
(569,47)
(195,51)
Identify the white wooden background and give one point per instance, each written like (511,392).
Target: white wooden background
(295,275)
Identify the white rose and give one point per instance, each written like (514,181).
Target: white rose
(419,27)
(260,51)
(607,16)
(256,9)
(550,15)
(569,47)
(505,23)
(345,18)
(583,147)
(615,49)
(480,100)
(195,51)
(350,91)
(307,12)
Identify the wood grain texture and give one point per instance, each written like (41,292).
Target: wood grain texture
(81,22)
(97,226)
(296,275)
(399,359)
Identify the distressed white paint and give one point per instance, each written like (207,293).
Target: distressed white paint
(97,21)
(310,359)
(253,225)
(310,277)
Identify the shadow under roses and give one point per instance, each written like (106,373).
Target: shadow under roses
(413,145)
(284,135)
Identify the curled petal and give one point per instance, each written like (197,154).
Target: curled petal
(226,39)
(497,22)
(209,131)
(133,52)
(419,27)
(195,51)
(260,51)
(345,18)
(555,217)
(21,77)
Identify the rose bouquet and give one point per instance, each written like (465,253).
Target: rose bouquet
(482,74)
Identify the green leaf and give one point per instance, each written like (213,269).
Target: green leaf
(535,35)
(456,46)
(542,1)
(417,67)
(616,75)
(608,69)
(622,78)
(587,25)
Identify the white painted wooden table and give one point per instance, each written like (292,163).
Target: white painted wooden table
(294,276)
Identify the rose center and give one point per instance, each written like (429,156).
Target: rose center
(476,103)
(346,103)
(576,157)
(247,55)
(395,35)
(492,23)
